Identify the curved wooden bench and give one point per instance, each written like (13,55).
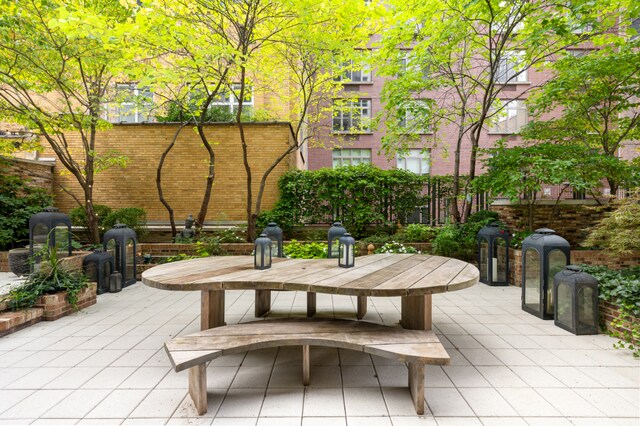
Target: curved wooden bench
(416,347)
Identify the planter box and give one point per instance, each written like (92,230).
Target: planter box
(14,321)
(56,306)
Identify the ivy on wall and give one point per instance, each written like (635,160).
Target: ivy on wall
(358,196)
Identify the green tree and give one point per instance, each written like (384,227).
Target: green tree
(58,61)
(520,172)
(459,52)
(599,96)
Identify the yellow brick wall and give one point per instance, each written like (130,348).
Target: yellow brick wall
(184,171)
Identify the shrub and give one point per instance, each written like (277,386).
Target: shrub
(79,217)
(418,233)
(447,242)
(134,217)
(621,288)
(298,250)
(18,202)
(619,230)
(396,247)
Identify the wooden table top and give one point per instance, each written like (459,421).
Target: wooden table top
(373,275)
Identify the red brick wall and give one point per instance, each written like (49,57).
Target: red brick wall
(610,312)
(570,221)
(587,257)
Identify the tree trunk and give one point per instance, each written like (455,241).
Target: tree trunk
(164,202)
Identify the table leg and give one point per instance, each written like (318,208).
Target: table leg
(263,302)
(311,304)
(416,312)
(362,307)
(212,309)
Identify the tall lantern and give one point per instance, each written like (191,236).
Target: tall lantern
(120,241)
(262,252)
(493,255)
(544,254)
(335,233)
(346,250)
(576,301)
(52,228)
(98,266)
(274,232)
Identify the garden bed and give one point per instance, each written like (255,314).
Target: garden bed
(55,306)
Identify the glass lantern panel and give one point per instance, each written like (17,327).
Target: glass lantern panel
(61,232)
(258,258)
(565,305)
(112,249)
(130,256)
(334,247)
(91,271)
(499,261)
(557,260)
(484,267)
(40,234)
(346,254)
(532,282)
(586,308)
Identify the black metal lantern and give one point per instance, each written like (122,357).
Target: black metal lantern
(98,266)
(493,255)
(50,228)
(262,252)
(576,301)
(345,248)
(544,254)
(335,233)
(274,232)
(120,241)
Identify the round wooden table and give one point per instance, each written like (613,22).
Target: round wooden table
(413,277)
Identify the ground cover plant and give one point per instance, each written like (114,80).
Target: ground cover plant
(621,288)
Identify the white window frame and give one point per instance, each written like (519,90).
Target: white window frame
(354,76)
(419,156)
(511,118)
(508,67)
(229,100)
(406,65)
(128,110)
(341,157)
(408,118)
(352,113)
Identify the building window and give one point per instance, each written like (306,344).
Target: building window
(511,118)
(351,157)
(354,74)
(414,116)
(228,100)
(415,160)
(510,68)
(635,26)
(132,104)
(409,64)
(351,116)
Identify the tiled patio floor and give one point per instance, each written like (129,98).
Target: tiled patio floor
(106,365)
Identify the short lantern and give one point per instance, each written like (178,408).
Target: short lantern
(274,232)
(335,233)
(262,252)
(493,255)
(120,241)
(50,228)
(98,266)
(576,301)
(544,254)
(346,250)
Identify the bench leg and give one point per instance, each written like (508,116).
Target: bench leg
(311,304)
(263,302)
(198,387)
(416,312)
(306,367)
(362,307)
(211,309)
(416,385)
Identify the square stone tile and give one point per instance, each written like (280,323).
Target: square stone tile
(109,378)
(283,402)
(324,421)
(77,404)
(242,402)
(37,378)
(144,378)
(447,402)
(323,402)
(159,403)
(364,402)
(487,402)
(465,376)
(35,404)
(569,403)
(528,403)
